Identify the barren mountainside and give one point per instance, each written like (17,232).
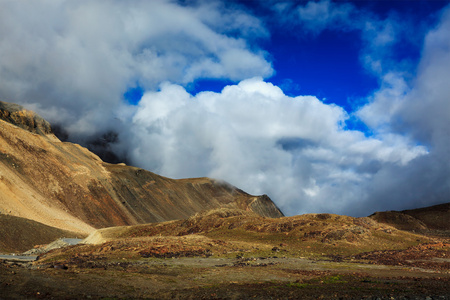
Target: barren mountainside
(66,186)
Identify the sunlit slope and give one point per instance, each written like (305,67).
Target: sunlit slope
(224,231)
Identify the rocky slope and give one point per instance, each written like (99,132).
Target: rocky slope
(66,186)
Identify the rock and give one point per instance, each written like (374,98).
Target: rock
(60,267)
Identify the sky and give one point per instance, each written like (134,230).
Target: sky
(325,106)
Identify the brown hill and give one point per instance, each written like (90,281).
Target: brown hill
(231,232)
(66,186)
(433,218)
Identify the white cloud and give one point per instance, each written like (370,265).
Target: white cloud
(422,108)
(408,115)
(420,111)
(81,56)
(385,102)
(254,136)
(427,110)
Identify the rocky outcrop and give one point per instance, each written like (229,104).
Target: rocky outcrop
(26,119)
(66,186)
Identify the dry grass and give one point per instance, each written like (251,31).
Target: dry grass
(227,232)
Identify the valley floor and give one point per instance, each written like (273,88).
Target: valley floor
(243,277)
(233,255)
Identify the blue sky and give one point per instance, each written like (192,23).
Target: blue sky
(325,106)
(328,64)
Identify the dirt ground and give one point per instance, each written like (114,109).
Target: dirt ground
(420,272)
(240,257)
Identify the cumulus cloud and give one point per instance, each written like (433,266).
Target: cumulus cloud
(294,148)
(427,111)
(412,106)
(74,59)
(421,112)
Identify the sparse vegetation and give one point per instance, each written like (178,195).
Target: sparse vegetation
(237,254)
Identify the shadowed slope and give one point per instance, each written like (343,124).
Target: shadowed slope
(433,218)
(19,234)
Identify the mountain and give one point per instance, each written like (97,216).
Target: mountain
(65,186)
